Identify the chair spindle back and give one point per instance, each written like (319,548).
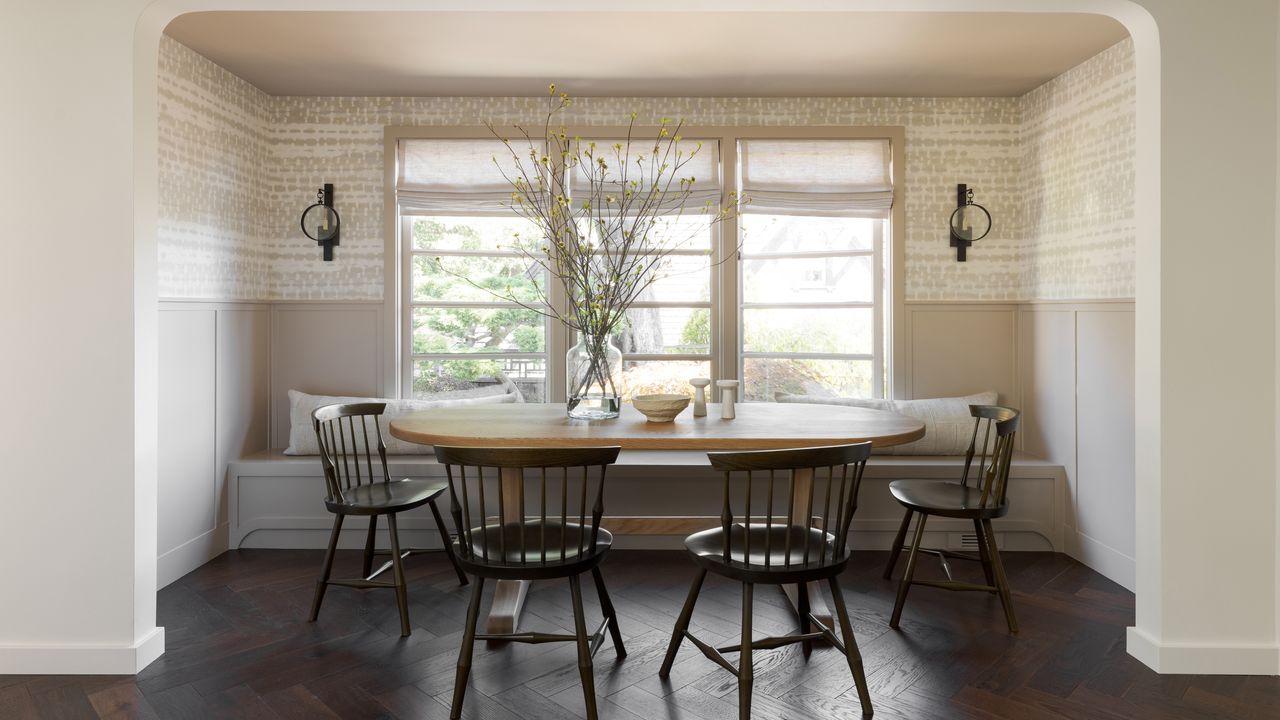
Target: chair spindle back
(993,466)
(493,513)
(345,440)
(827,505)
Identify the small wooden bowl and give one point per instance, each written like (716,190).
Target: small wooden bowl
(660,408)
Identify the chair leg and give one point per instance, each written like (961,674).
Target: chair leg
(745,673)
(1001,581)
(682,624)
(851,647)
(368,546)
(983,553)
(584,650)
(402,593)
(447,539)
(896,550)
(905,583)
(803,608)
(607,605)
(323,582)
(464,654)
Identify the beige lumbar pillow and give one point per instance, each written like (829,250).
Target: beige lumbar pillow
(302,435)
(948,426)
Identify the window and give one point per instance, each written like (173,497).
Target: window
(805,305)
(812,266)
(455,231)
(668,337)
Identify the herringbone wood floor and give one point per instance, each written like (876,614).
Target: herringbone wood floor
(238,647)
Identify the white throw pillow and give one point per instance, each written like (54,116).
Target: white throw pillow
(302,435)
(948,426)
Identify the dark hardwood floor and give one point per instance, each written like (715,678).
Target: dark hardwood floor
(238,647)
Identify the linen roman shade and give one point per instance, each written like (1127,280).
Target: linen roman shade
(453,177)
(825,177)
(703,166)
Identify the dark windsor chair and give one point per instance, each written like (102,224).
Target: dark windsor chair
(500,539)
(345,444)
(980,503)
(807,544)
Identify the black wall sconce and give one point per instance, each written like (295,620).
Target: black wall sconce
(320,221)
(970,222)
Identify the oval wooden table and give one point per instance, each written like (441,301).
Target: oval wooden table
(758,426)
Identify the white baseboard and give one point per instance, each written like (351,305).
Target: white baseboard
(81,659)
(190,555)
(1108,561)
(1202,658)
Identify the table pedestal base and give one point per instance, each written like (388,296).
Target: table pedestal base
(817,605)
(509,595)
(508,600)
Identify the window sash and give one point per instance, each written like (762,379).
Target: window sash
(876,305)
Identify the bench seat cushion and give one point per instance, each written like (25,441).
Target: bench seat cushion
(948,426)
(302,435)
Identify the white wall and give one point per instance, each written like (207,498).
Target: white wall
(1206,490)
(1206,324)
(79,433)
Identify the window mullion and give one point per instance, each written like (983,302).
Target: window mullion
(557,333)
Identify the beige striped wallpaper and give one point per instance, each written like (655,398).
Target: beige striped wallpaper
(1054,167)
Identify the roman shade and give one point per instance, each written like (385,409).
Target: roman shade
(701,164)
(826,177)
(453,177)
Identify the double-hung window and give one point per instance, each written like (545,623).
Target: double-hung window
(812,266)
(794,294)
(669,334)
(456,233)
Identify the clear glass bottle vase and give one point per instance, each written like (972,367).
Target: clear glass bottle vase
(592,369)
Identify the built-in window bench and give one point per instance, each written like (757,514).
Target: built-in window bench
(654,499)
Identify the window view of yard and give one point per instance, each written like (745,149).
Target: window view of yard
(454,315)
(808,304)
(808,311)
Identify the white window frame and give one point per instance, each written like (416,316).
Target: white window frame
(725,305)
(877,307)
(408,304)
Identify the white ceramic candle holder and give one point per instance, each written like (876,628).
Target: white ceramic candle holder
(700,395)
(728,394)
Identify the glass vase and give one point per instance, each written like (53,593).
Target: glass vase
(592,367)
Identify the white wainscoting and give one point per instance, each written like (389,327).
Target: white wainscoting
(214,368)
(1070,367)
(958,349)
(325,348)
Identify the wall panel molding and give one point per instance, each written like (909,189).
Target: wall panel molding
(326,347)
(1073,375)
(214,372)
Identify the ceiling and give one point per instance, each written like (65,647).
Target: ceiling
(713,54)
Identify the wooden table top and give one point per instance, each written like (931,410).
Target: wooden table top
(758,426)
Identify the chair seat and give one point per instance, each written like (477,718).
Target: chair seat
(707,548)
(947,499)
(379,498)
(505,552)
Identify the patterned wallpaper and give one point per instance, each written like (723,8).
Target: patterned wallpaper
(213,151)
(1079,177)
(981,141)
(339,140)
